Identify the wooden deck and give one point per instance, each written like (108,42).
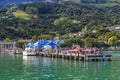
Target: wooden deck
(76,56)
(79,56)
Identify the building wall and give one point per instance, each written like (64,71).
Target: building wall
(6,45)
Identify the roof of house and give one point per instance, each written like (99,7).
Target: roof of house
(25,40)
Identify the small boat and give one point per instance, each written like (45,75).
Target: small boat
(29,52)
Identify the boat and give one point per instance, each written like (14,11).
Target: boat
(26,53)
(18,51)
(29,52)
(14,51)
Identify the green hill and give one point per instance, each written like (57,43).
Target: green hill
(94,1)
(54,18)
(98,3)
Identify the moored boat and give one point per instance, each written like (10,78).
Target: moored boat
(29,52)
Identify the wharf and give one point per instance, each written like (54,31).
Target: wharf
(78,56)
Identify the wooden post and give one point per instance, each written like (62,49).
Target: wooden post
(86,58)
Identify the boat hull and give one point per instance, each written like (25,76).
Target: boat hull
(25,53)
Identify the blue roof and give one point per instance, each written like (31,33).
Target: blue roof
(52,44)
(30,44)
(40,44)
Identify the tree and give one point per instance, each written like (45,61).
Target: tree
(88,42)
(19,44)
(34,38)
(113,41)
(12,9)
(63,25)
(70,41)
(7,40)
(31,10)
(60,21)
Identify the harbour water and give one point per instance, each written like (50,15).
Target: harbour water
(18,67)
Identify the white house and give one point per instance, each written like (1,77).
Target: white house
(6,45)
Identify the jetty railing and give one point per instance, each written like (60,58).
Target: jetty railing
(77,56)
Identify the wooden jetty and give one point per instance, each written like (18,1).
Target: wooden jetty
(74,54)
(78,56)
(100,57)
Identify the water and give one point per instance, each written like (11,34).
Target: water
(17,67)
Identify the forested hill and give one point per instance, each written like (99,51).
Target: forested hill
(94,1)
(9,3)
(32,19)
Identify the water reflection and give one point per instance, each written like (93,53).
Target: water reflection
(40,68)
(81,70)
(19,67)
(30,60)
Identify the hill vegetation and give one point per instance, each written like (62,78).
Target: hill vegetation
(21,15)
(39,19)
(94,1)
(98,3)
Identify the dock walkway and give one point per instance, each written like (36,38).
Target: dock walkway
(78,56)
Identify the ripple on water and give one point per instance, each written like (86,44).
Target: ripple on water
(32,68)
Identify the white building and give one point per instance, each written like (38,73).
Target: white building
(117,27)
(6,45)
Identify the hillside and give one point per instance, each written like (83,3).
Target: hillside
(54,18)
(94,1)
(10,3)
(98,3)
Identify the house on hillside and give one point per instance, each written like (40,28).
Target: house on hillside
(25,40)
(117,28)
(76,21)
(75,46)
(109,28)
(81,34)
(72,34)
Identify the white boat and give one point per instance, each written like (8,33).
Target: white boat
(29,52)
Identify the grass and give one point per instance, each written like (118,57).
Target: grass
(107,5)
(77,1)
(114,0)
(21,15)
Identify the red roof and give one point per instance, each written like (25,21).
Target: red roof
(25,40)
(73,50)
